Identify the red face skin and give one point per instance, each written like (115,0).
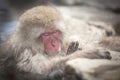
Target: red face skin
(51,42)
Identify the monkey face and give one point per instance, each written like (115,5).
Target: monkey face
(41,39)
(51,42)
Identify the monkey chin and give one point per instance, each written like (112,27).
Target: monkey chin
(53,52)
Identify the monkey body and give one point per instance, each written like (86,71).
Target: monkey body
(35,50)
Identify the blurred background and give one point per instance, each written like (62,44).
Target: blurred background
(107,11)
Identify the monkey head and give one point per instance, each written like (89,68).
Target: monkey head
(39,27)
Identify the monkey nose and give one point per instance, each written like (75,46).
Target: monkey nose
(53,43)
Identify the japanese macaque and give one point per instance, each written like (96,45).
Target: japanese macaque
(35,50)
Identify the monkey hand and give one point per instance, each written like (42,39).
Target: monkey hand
(99,54)
(92,54)
(73,47)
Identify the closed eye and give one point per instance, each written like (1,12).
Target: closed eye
(56,31)
(46,34)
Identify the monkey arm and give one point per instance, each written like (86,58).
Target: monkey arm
(41,67)
(40,63)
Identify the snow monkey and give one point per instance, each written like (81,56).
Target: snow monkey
(34,51)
